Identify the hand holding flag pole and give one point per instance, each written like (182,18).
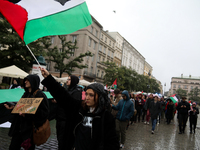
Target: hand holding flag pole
(33,55)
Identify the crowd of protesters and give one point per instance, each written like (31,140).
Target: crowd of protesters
(94,118)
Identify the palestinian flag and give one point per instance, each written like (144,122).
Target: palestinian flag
(33,19)
(114,85)
(174,98)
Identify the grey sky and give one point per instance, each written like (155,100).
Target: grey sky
(165,32)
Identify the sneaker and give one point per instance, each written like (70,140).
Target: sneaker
(152,132)
(147,122)
(121,145)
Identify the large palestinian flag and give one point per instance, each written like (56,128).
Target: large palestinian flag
(33,19)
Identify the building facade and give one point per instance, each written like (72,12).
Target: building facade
(105,53)
(118,47)
(131,58)
(186,83)
(148,69)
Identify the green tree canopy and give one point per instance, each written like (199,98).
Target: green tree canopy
(64,53)
(194,95)
(181,92)
(13,49)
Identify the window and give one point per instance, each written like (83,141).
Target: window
(74,38)
(60,49)
(92,58)
(100,47)
(91,29)
(99,59)
(105,39)
(96,33)
(102,74)
(90,41)
(104,49)
(48,65)
(110,43)
(112,54)
(191,87)
(98,73)
(87,57)
(91,69)
(179,86)
(185,87)
(108,53)
(102,36)
(52,40)
(103,59)
(174,86)
(72,54)
(94,46)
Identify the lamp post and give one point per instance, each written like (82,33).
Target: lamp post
(164,88)
(149,74)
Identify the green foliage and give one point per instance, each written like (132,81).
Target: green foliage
(181,92)
(13,49)
(60,55)
(129,79)
(194,95)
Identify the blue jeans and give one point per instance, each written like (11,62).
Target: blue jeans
(153,124)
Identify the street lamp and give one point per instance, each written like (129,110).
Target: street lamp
(149,74)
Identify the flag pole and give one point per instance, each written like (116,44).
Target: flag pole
(33,55)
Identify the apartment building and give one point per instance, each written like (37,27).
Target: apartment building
(148,69)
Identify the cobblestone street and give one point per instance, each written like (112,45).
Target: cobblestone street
(139,137)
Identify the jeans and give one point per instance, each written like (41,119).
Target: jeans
(153,124)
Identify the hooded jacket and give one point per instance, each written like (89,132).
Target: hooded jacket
(103,124)
(24,125)
(125,108)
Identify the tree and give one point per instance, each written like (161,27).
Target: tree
(181,92)
(194,94)
(60,55)
(13,49)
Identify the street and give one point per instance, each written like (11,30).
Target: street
(139,137)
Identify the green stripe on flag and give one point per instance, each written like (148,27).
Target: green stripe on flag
(64,22)
(14,95)
(174,101)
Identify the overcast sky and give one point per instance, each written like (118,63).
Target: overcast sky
(165,32)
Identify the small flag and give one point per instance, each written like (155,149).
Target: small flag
(114,85)
(33,19)
(174,98)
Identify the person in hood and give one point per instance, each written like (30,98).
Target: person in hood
(125,109)
(93,125)
(62,119)
(183,108)
(194,111)
(155,109)
(15,84)
(21,129)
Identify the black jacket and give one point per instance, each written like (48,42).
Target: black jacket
(24,125)
(155,109)
(183,110)
(194,114)
(110,140)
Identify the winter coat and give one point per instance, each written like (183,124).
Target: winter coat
(183,110)
(24,125)
(117,99)
(110,140)
(155,109)
(170,110)
(139,103)
(148,102)
(193,114)
(125,108)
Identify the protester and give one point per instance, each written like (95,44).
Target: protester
(139,103)
(93,125)
(62,123)
(194,111)
(155,109)
(169,111)
(15,84)
(144,111)
(148,102)
(125,112)
(132,98)
(21,129)
(183,108)
(115,100)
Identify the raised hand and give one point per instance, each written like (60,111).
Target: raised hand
(8,107)
(44,72)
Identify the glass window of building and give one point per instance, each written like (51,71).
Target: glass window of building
(179,86)
(89,42)
(98,73)
(104,49)
(102,36)
(102,74)
(174,85)
(91,69)
(96,33)
(60,49)
(72,52)
(94,46)
(91,29)
(52,40)
(105,39)
(185,87)
(100,47)
(191,87)
(74,38)
(93,57)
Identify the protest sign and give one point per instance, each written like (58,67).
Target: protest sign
(27,105)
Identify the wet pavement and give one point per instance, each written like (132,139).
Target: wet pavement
(139,137)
